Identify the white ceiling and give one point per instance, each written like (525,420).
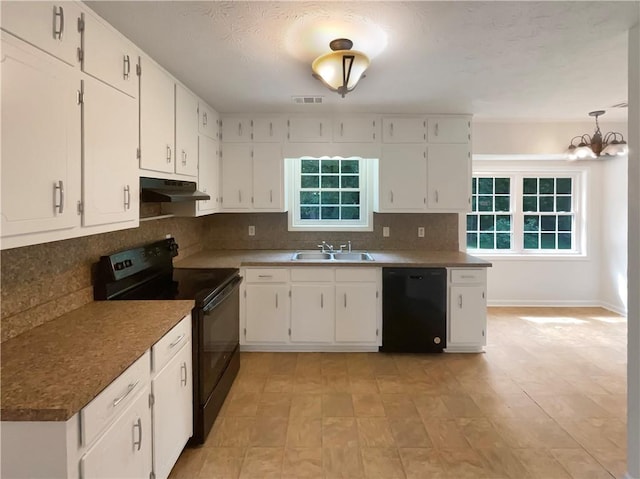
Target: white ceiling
(497,60)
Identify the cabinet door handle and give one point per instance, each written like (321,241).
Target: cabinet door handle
(239,128)
(345,300)
(270,128)
(130,388)
(460,300)
(240,196)
(276,300)
(127,197)
(183,380)
(58,12)
(322,300)
(270,196)
(391,194)
(138,444)
(173,344)
(204,119)
(437,128)
(126,65)
(168,154)
(320,128)
(436,196)
(391,129)
(184,158)
(341,129)
(60,188)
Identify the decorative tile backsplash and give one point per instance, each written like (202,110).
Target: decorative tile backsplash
(42,282)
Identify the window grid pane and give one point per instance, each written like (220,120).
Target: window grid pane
(330,189)
(490,225)
(547,205)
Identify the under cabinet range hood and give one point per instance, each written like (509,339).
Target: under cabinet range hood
(156,190)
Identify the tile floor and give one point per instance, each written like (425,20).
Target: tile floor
(547,400)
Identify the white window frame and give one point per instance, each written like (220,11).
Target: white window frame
(365,223)
(578,195)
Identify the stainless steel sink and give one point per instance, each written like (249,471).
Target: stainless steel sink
(311,255)
(336,256)
(352,256)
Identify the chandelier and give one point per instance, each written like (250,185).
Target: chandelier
(590,147)
(341,69)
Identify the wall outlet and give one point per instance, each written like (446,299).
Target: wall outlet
(252,230)
(385,231)
(421,232)
(168,235)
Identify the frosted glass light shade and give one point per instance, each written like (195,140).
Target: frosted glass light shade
(334,68)
(616,148)
(583,152)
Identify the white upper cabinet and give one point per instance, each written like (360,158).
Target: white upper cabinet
(356,130)
(303,130)
(186,132)
(236,170)
(41,146)
(208,121)
(50,26)
(449,130)
(108,56)
(156,118)
(404,130)
(449,177)
(268,130)
(110,173)
(208,174)
(268,180)
(403,179)
(236,129)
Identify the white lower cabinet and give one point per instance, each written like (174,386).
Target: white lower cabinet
(467,310)
(330,308)
(172,411)
(124,450)
(137,425)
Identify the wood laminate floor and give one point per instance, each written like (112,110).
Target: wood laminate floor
(547,400)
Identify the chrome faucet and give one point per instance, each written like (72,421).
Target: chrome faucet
(326,247)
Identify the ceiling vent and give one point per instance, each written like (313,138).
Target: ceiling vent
(307,100)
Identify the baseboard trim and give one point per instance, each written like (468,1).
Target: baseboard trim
(629,476)
(307,348)
(614,309)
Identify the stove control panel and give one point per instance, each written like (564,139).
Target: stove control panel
(154,256)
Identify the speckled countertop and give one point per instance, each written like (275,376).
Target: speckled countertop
(418,259)
(51,372)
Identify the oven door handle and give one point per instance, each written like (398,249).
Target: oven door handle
(226,292)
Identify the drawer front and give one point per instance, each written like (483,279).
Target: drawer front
(468,275)
(357,274)
(110,403)
(312,274)
(267,275)
(170,344)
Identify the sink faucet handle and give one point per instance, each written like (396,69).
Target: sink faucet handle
(342,246)
(349,245)
(322,246)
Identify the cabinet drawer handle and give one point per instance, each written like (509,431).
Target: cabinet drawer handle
(265,276)
(460,300)
(204,119)
(138,444)
(127,197)
(60,188)
(127,67)
(180,338)
(130,388)
(168,154)
(467,276)
(58,12)
(183,380)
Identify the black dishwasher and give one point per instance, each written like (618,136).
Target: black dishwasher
(414,305)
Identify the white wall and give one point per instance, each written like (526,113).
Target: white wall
(590,280)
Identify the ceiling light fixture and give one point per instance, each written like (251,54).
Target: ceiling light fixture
(590,147)
(341,69)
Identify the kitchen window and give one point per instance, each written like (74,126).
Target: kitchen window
(330,194)
(527,213)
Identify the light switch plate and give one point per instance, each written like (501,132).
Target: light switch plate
(252,230)
(385,231)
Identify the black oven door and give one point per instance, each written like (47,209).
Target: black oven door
(219,336)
